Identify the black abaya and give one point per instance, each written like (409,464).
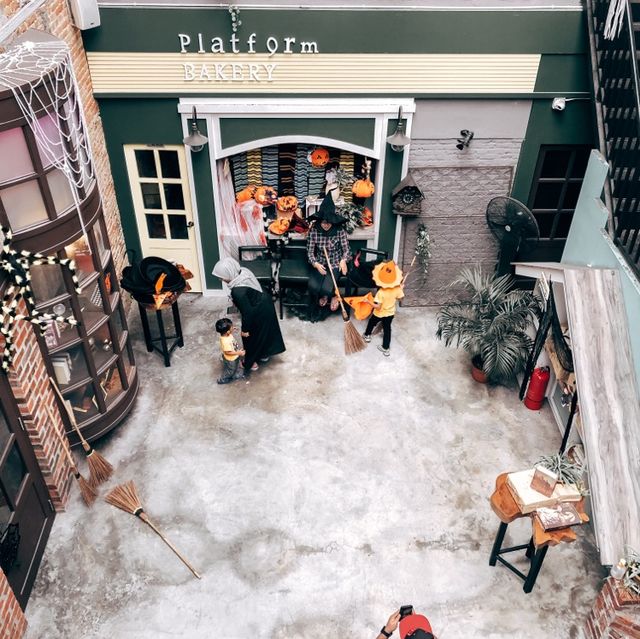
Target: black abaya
(259,319)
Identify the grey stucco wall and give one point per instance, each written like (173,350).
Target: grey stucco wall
(459,184)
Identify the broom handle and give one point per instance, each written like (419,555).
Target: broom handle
(147,521)
(61,440)
(335,284)
(72,419)
(409,270)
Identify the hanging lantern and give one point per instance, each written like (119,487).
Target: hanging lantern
(246,194)
(363,188)
(319,157)
(265,195)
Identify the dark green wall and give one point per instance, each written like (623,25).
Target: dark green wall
(348,31)
(156,121)
(359,131)
(574,125)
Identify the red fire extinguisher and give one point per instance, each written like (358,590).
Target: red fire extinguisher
(537,388)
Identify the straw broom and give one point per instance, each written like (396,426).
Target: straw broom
(86,489)
(100,470)
(125,497)
(353,341)
(378,327)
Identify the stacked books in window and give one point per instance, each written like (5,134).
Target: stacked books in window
(529,499)
(62,367)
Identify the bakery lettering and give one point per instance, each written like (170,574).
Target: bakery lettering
(236,72)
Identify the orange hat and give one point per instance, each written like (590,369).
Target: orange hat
(387,274)
(362,309)
(279,226)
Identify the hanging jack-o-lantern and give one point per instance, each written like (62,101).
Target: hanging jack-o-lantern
(265,195)
(363,188)
(319,157)
(287,203)
(247,193)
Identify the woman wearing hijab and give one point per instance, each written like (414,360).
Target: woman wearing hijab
(327,232)
(260,329)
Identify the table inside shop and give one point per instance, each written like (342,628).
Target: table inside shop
(506,508)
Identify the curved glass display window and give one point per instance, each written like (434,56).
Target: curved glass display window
(44,189)
(92,363)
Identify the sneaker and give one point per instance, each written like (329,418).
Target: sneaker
(254,366)
(264,360)
(384,351)
(366,338)
(225,380)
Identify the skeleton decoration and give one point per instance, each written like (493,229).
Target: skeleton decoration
(17,268)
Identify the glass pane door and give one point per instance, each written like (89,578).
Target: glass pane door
(161,197)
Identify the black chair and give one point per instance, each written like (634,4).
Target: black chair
(260,266)
(294,271)
(360,277)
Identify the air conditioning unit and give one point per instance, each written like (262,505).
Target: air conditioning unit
(86,14)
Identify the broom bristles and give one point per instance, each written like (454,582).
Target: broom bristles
(353,341)
(125,497)
(87,491)
(100,470)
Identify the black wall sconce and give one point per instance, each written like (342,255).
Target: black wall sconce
(398,140)
(465,139)
(195,140)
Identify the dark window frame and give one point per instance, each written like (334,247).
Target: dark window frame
(560,209)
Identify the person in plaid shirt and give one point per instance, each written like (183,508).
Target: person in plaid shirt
(327,232)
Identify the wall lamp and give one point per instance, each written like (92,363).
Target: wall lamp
(398,140)
(465,139)
(195,140)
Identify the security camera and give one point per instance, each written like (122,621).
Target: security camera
(464,141)
(559,104)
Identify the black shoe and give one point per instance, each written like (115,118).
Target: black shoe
(225,380)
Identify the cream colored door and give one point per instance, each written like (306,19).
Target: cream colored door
(162,203)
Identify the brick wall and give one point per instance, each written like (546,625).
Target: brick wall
(457,187)
(35,398)
(12,620)
(615,614)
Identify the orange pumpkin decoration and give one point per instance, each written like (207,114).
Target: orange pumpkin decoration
(246,194)
(363,188)
(319,157)
(279,226)
(287,203)
(265,195)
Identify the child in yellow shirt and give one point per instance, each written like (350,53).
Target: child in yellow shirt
(231,353)
(384,303)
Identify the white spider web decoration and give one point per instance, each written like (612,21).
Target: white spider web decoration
(30,68)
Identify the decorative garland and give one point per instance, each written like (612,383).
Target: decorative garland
(423,244)
(17,267)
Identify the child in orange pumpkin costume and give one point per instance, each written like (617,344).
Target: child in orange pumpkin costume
(388,277)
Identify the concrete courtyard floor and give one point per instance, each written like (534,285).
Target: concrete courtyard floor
(314,499)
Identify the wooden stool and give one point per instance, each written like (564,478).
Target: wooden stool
(165,350)
(507,510)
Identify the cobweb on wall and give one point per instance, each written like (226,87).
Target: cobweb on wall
(40,74)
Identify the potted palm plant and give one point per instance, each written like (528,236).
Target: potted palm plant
(490,321)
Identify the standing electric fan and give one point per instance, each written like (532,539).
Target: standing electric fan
(515,228)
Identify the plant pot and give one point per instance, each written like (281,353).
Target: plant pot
(476,371)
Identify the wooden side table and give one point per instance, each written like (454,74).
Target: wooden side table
(507,510)
(165,349)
